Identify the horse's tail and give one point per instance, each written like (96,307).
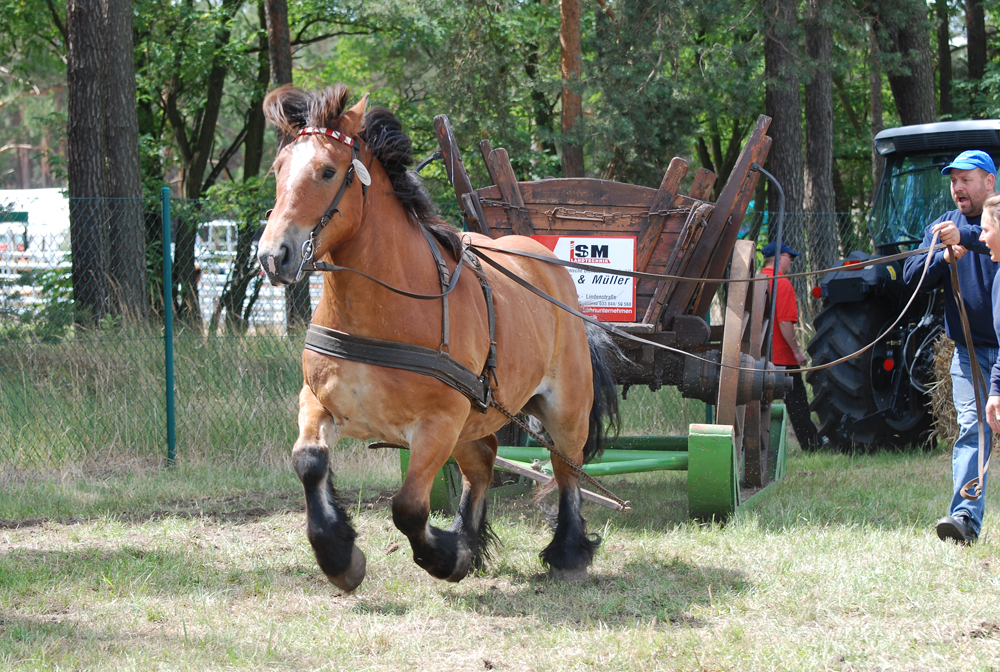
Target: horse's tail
(605,414)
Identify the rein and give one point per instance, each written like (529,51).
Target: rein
(974,488)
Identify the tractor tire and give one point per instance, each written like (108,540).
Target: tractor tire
(861,387)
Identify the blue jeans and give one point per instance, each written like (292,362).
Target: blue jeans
(965,454)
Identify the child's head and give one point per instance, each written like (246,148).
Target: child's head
(990,224)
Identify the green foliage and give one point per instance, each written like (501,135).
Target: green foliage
(51,319)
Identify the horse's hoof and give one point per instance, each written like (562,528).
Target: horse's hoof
(463,565)
(574,574)
(354,575)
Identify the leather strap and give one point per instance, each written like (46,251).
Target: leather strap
(435,363)
(397,355)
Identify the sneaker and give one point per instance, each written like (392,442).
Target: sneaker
(957,528)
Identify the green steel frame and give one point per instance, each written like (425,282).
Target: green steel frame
(707,454)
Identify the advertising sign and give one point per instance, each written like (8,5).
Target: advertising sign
(607,297)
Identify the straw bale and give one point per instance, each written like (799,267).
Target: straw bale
(942,405)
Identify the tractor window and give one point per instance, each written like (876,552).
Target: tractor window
(913,193)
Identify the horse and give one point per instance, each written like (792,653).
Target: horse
(547,364)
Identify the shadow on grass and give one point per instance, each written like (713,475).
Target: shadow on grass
(887,490)
(644,593)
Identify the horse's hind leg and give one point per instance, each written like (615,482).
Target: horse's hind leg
(328,526)
(475,458)
(443,553)
(571,550)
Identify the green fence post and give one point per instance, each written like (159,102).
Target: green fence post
(168,324)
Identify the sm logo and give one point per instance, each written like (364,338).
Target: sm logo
(590,251)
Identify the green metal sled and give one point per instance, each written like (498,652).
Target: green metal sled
(708,455)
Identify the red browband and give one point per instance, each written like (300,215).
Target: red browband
(336,135)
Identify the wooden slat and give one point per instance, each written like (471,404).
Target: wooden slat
(649,234)
(703,255)
(701,188)
(676,263)
(587,193)
(544,194)
(728,238)
(485,148)
(455,167)
(510,191)
(559,224)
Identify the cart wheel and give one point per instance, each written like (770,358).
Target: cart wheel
(737,318)
(757,425)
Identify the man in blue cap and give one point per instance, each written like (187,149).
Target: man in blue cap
(973,177)
(785,350)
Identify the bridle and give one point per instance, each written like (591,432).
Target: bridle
(356,168)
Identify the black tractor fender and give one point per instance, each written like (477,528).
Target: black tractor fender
(857,284)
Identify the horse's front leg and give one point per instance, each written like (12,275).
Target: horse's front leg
(475,458)
(444,554)
(327,524)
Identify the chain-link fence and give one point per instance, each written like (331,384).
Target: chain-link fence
(821,239)
(83,378)
(82,355)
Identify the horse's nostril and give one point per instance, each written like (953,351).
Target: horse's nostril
(284,255)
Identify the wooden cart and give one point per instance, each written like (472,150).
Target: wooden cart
(676,234)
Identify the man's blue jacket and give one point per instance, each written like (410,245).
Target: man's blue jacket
(975,278)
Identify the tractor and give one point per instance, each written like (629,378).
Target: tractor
(881,397)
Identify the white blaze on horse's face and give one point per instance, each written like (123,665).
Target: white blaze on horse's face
(303,154)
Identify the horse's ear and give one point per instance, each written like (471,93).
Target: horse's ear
(287,108)
(352,120)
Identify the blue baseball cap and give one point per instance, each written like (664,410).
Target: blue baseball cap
(768,250)
(969,159)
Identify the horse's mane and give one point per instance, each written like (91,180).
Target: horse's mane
(384,135)
(290,109)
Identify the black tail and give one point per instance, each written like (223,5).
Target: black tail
(605,415)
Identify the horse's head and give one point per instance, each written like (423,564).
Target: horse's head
(320,179)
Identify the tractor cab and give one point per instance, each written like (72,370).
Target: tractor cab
(913,193)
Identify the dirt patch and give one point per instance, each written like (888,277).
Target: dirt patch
(986,630)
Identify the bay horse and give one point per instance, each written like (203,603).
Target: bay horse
(547,364)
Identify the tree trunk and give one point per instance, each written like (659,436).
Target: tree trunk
(820,198)
(298,307)
(196,153)
(540,109)
(126,227)
(233,298)
(86,160)
(944,57)
(975,29)
(912,82)
(875,105)
(572,99)
(782,103)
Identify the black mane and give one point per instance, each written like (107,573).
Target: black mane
(383,133)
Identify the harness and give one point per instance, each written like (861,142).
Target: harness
(394,354)
(357,168)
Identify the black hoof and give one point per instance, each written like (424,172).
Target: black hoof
(354,575)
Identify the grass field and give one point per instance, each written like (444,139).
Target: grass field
(201,568)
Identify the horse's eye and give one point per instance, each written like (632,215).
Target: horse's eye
(329,173)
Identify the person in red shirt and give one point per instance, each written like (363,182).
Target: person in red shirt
(786,351)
